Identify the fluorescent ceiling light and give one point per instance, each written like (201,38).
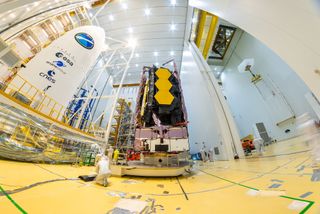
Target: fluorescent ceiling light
(106,47)
(137,55)
(173,2)
(157,63)
(172,27)
(130,30)
(137,65)
(124,6)
(111,17)
(155,53)
(147,11)
(171,53)
(132,42)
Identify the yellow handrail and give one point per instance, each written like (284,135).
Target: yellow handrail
(37,99)
(25,88)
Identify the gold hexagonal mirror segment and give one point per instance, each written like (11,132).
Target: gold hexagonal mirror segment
(163,84)
(163,73)
(164,97)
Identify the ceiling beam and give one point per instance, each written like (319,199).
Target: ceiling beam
(11,5)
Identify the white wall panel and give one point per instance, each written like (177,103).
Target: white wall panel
(290,28)
(209,119)
(249,105)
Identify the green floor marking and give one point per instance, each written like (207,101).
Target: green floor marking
(282,196)
(12,201)
(230,181)
(299,199)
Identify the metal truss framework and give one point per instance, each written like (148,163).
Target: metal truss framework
(115,61)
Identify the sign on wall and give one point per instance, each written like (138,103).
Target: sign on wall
(59,69)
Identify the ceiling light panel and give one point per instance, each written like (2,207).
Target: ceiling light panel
(173,27)
(157,27)
(111,17)
(147,11)
(124,6)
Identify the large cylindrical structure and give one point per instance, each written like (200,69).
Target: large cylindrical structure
(59,69)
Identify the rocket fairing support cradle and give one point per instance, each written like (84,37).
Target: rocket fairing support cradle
(160,117)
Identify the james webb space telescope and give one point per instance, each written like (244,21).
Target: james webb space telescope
(160,118)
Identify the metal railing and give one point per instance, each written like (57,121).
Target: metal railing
(23,91)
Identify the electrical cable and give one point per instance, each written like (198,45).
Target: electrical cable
(10,192)
(185,194)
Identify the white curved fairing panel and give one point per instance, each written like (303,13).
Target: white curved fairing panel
(60,68)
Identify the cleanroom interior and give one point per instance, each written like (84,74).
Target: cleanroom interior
(159,106)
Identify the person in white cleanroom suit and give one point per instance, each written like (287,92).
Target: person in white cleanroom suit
(203,154)
(259,145)
(97,159)
(211,154)
(103,171)
(310,133)
(110,154)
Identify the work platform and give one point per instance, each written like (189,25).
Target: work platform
(136,168)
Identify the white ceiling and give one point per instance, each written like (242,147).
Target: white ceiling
(13,12)
(158,35)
